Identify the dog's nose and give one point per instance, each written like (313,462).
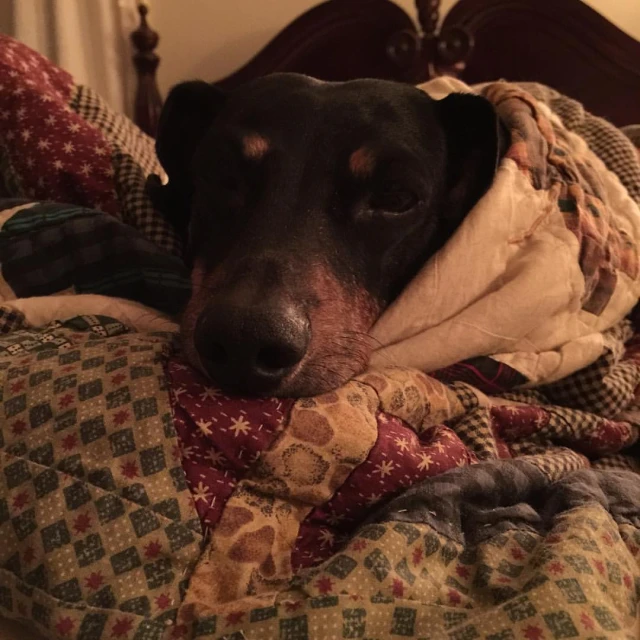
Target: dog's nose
(249,349)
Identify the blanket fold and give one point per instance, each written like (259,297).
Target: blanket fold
(548,257)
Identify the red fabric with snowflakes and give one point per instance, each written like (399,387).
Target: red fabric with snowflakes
(399,459)
(55,154)
(220,437)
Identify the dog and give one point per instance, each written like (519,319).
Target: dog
(306,208)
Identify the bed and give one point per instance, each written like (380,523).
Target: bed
(138,502)
(565,44)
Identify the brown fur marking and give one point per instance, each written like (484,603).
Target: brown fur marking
(201,283)
(254,146)
(362,162)
(340,346)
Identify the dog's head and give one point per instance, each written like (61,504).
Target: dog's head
(307,207)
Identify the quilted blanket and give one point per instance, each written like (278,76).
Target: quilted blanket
(548,257)
(494,497)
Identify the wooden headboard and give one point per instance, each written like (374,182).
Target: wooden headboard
(562,43)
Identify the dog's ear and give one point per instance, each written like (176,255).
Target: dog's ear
(187,114)
(476,140)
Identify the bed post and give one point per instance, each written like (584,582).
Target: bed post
(444,52)
(428,16)
(148,102)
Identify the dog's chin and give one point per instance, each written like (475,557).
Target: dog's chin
(313,377)
(293,389)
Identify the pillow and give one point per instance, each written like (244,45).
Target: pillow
(62,142)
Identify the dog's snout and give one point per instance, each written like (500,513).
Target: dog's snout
(251,349)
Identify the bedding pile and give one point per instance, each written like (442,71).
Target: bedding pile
(496,497)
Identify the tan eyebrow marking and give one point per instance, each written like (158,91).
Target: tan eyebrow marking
(361,162)
(254,146)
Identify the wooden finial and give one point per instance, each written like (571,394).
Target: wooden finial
(443,51)
(428,16)
(148,101)
(412,50)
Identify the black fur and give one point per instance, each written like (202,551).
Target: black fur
(270,219)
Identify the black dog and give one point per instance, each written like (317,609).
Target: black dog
(307,207)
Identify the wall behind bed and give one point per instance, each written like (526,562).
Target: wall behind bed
(212,39)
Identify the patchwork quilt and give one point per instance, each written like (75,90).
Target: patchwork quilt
(494,497)
(548,256)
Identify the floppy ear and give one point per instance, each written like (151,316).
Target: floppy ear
(187,114)
(476,140)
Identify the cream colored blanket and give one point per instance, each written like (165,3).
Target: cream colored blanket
(541,269)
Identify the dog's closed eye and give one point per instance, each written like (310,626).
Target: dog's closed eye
(233,190)
(393,197)
(230,184)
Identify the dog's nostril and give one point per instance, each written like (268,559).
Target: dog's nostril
(251,349)
(275,358)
